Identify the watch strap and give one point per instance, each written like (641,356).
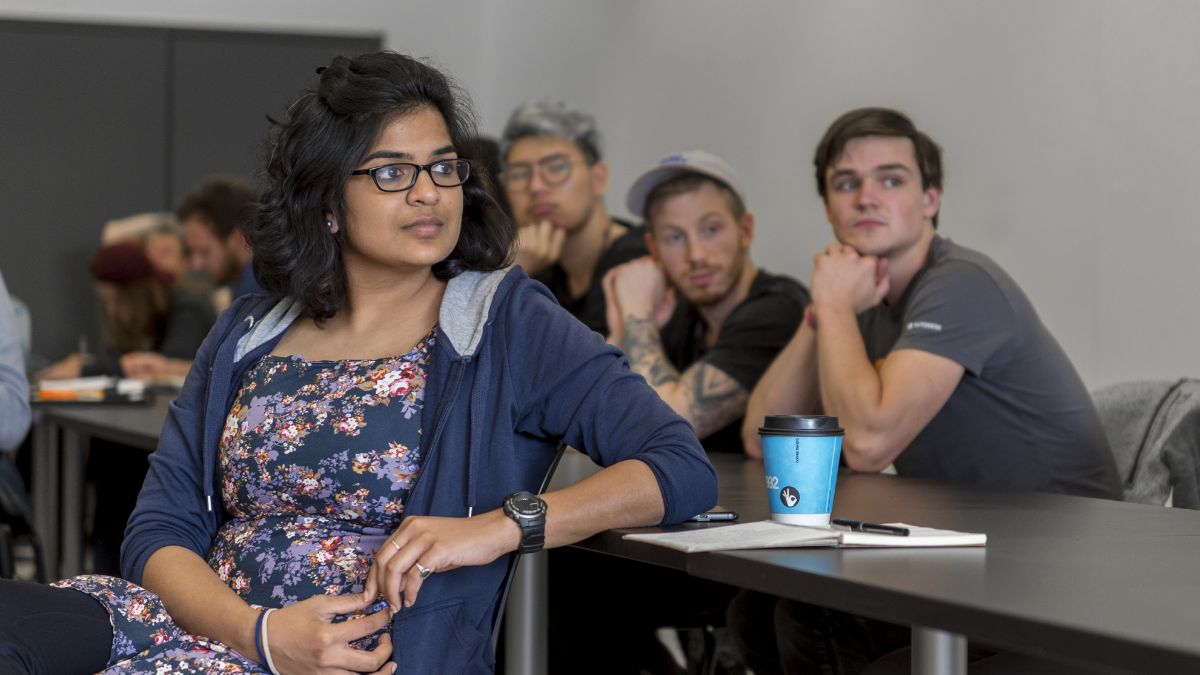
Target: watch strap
(533,527)
(533,535)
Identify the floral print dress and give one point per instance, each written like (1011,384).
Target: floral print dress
(317,459)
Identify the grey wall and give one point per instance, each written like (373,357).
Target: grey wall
(1069,127)
(100,122)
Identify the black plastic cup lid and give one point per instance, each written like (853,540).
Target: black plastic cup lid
(800,425)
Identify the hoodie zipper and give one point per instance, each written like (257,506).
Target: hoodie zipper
(208,489)
(440,423)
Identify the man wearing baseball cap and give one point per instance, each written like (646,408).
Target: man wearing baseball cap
(697,319)
(701,323)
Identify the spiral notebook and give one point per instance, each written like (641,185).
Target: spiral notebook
(770,534)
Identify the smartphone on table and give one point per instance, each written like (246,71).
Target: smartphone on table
(715,515)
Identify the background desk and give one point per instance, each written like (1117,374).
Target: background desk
(60,443)
(1095,582)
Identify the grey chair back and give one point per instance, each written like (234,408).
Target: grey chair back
(1153,428)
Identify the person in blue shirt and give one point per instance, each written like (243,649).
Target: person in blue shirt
(14,387)
(362,442)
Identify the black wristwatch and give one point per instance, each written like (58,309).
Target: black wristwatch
(528,511)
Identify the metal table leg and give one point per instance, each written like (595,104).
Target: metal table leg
(937,652)
(74,446)
(526,617)
(45,479)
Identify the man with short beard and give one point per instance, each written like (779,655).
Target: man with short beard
(698,320)
(211,216)
(554,178)
(701,323)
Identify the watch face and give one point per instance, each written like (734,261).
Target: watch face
(527,504)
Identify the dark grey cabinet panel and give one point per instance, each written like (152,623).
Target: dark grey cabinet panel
(225,85)
(100,122)
(82,137)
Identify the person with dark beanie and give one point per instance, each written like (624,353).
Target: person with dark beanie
(148,332)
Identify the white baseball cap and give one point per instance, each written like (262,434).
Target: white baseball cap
(692,161)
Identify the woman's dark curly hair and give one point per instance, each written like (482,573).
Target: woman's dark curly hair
(324,137)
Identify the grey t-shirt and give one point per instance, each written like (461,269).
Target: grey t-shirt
(1020,418)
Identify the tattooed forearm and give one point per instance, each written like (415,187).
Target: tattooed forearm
(714,399)
(704,395)
(643,346)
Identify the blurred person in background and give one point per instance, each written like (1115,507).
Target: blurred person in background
(555,181)
(167,249)
(163,240)
(149,331)
(212,215)
(14,388)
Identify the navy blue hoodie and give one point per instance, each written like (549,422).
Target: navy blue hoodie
(511,373)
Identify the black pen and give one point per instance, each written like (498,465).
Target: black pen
(860,526)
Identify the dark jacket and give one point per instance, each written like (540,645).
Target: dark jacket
(188,320)
(510,374)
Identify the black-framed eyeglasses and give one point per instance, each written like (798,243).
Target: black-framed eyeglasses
(401,176)
(554,169)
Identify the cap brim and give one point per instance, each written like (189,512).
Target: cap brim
(635,199)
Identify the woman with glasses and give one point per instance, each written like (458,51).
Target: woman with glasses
(348,469)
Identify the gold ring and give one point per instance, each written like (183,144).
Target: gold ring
(423,570)
(393,543)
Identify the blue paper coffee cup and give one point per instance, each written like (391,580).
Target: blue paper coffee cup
(800,458)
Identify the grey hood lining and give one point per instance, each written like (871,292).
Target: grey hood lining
(462,316)
(267,328)
(465,308)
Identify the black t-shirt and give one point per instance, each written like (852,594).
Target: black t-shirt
(589,307)
(752,336)
(1020,417)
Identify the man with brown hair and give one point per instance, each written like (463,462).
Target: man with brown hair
(211,216)
(931,357)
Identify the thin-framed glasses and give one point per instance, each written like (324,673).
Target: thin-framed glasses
(554,169)
(401,176)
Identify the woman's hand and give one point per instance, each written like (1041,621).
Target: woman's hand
(539,246)
(303,638)
(143,365)
(71,366)
(439,545)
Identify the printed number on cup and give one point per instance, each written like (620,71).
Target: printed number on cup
(772,482)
